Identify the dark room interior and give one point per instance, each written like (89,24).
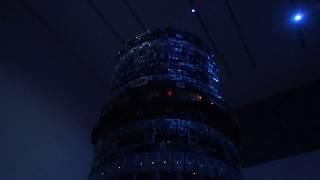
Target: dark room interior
(57,61)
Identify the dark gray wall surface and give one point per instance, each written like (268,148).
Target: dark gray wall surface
(48,103)
(282,125)
(300,167)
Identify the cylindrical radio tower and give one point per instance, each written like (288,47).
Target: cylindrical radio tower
(165,118)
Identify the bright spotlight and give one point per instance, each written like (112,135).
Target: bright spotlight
(298,17)
(193,10)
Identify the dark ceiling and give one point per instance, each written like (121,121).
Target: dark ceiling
(263,53)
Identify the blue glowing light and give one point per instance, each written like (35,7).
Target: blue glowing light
(193,10)
(297,17)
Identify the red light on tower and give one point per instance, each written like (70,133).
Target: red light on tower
(169,92)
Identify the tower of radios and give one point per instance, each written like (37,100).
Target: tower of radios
(165,118)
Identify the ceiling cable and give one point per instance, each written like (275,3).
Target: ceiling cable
(242,38)
(106,22)
(142,25)
(59,37)
(300,33)
(204,27)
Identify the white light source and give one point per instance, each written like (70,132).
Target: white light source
(297,17)
(193,10)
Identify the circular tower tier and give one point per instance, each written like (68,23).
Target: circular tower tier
(165,118)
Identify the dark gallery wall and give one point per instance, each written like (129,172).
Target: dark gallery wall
(282,125)
(300,167)
(42,133)
(48,103)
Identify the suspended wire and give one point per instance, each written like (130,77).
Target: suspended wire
(106,22)
(59,37)
(204,27)
(242,38)
(300,33)
(142,25)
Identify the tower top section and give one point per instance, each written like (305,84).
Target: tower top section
(174,57)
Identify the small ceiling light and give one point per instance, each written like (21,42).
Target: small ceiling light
(193,10)
(297,17)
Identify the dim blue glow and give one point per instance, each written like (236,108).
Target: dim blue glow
(193,10)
